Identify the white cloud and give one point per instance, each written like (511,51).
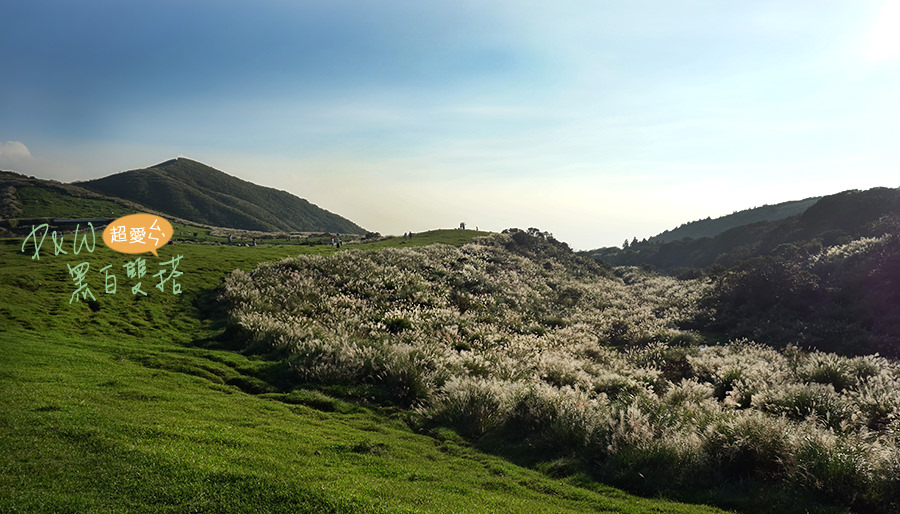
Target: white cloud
(14,156)
(13,151)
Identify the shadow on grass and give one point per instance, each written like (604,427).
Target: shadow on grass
(649,477)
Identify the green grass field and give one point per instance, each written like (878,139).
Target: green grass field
(141,404)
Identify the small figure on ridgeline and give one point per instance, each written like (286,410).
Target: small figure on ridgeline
(462,225)
(229,238)
(254,241)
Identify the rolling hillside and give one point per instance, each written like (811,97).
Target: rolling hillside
(142,404)
(28,200)
(196,192)
(833,219)
(712,227)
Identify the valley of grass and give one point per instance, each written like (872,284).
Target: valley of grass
(161,404)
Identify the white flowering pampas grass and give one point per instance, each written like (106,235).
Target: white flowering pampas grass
(521,337)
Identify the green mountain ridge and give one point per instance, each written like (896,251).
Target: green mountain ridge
(711,227)
(28,200)
(831,220)
(197,192)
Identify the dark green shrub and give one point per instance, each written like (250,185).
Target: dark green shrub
(397,325)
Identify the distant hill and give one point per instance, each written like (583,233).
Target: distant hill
(830,220)
(27,201)
(713,227)
(197,192)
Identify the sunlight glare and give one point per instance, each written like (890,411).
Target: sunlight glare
(883,40)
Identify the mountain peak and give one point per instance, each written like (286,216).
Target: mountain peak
(200,193)
(167,163)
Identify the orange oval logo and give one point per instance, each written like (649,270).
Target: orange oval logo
(138,233)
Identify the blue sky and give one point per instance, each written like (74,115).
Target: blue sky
(595,120)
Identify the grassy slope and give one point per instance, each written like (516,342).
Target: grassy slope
(139,406)
(29,197)
(41,202)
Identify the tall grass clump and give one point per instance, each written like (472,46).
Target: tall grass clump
(513,340)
